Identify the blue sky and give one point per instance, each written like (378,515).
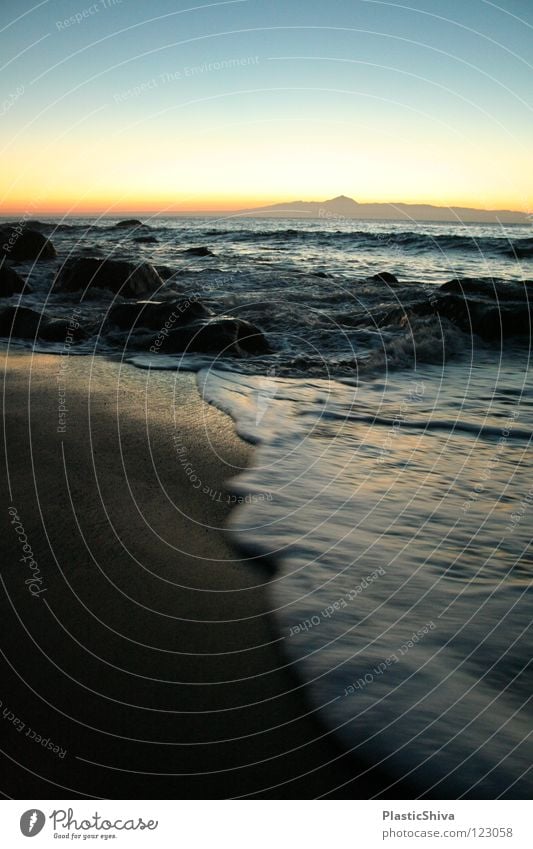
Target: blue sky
(423,100)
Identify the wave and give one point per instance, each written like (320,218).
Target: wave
(521,248)
(408,240)
(376,607)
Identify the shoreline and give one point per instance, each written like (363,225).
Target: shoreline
(147,656)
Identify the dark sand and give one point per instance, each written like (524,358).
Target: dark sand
(150,657)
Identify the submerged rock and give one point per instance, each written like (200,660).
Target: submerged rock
(11,283)
(35,224)
(384,277)
(60,330)
(501,290)
(19,321)
(165,272)
(25,323)
(491,321)
(202,251)
(221,335)
(157,314)
(149,240)
(20,244)
(124,278)
(128,222)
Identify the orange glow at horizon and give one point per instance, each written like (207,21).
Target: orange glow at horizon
(93,176)
(213,109)
(97,206)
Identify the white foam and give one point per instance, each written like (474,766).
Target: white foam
(392,510)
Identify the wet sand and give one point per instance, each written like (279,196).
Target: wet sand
(139,657)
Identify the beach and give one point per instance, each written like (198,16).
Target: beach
(139,656)
(266,509)
(266,323)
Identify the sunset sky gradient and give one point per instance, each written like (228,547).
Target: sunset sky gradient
(419,102)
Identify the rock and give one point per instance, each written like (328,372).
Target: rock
(221,335)
(149,240)
(157,314)
(501,290)
(492,322)
(35,224)
(165,272)
(26,323)
(61,330)
(19,321)
(384,277)
(123,278)
(384,317)
(128,223)
(203,251)
(20,244)
(11,283)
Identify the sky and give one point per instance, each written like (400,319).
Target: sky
(173,105)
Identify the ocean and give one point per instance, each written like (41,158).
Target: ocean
(390,491)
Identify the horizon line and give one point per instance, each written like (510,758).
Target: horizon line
(66,211)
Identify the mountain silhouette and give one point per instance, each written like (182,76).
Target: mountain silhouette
(344,207)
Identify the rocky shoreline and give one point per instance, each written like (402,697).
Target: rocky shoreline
(146,312)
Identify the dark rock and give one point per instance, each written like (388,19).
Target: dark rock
(148,240)
(165,272)
(11,283)
(26,323)
(123,278)
(384,277)
(501,290)
(492,322)
(19,321)
(20,244)
(385,317)
(61,330)
(203,251)
(35,224)
(157,314)
(128,223)
(221,335)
